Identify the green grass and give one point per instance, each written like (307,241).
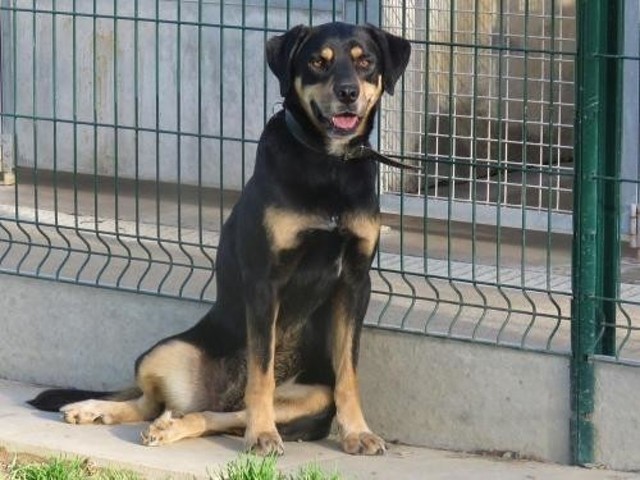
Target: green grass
(314,472)
(246,467)
(250,467)
(63,469)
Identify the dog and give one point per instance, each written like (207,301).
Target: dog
(275,358)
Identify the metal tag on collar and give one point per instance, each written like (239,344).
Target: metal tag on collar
(356,152)
(276,107)
(334,222)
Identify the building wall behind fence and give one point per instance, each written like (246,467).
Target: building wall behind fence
(489,83)
(196,96)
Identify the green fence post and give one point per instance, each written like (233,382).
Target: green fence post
(596,210)
(583,311)
(610,169)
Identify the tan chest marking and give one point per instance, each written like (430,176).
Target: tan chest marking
(365,227)
(285,226)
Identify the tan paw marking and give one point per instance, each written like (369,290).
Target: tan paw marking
(87,411)
(264,443)
(363,443)
(164,429)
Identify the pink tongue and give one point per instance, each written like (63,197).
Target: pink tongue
(345,122)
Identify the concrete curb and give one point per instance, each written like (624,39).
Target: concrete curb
(27,430)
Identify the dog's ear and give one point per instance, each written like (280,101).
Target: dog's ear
(395,55)
(281,51)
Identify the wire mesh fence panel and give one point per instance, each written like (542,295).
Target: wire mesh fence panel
(488,103)
(132,127)
(490,81)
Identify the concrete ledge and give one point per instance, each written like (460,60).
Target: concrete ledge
(463,396)
(616,416)
(27,430)
(418,390)
(69,335)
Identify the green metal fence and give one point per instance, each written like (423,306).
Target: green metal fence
(605,306)
(131,127)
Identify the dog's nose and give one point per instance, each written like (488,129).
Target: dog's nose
(347,92)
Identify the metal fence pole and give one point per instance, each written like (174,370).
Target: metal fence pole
(7,151)
(596,210)
(610,170)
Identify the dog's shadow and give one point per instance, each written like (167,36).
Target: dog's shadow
(131,434)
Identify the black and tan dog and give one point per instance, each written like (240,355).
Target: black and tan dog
(276,356)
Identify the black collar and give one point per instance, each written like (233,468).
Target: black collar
(358,150)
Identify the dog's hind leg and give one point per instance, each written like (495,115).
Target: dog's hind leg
(301,411)
(111,412)
(171,375)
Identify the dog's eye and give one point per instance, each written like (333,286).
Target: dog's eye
(318,63)
(363,63)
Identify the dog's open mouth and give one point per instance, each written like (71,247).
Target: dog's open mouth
(345,122)
(338,124)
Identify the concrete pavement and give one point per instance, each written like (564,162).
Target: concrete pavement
(23,429)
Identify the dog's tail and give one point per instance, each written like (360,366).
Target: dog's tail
(56,398)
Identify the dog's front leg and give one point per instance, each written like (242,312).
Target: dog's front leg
(350,306)
(261,435)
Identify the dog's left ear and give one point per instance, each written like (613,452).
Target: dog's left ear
(395,55)
(280,53)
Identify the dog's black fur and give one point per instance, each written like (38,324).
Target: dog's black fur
(293,263)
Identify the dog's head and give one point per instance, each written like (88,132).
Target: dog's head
(335,74)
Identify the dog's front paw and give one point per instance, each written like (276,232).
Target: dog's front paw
(264,443)
(363,443)
(164,429)
(87,411)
